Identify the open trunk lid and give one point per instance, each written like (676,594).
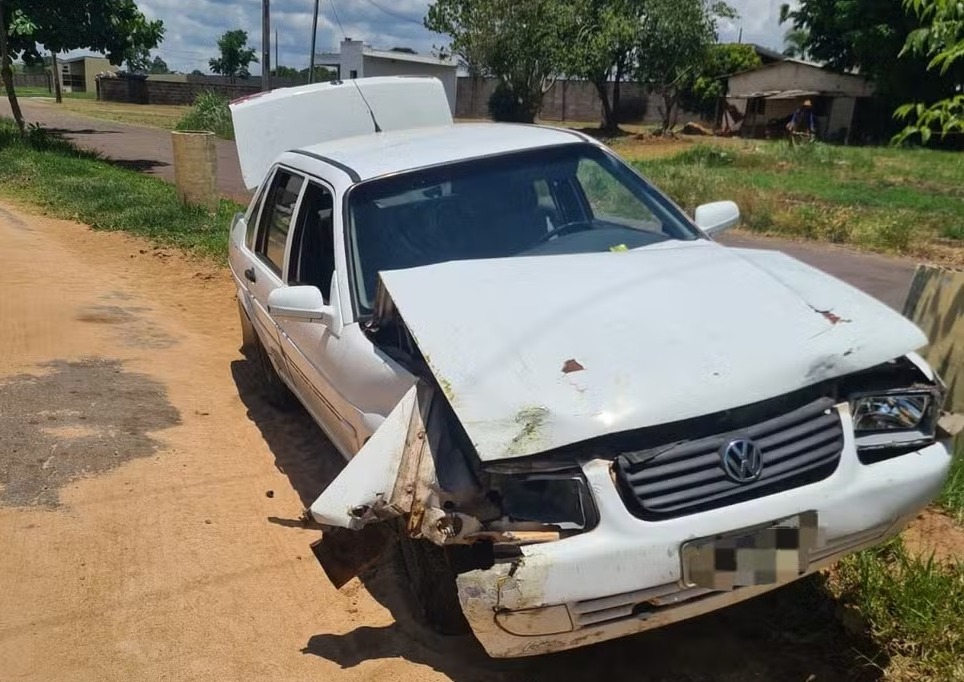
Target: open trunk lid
(268,124)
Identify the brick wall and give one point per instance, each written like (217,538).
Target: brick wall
(31,80)
(567,100)
(139,91)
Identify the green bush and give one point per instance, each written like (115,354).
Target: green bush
(507,106)
(706,155)
(210,113)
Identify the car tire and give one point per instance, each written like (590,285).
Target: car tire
(431,582)
(275,391)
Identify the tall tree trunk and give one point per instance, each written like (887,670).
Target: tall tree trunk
(6,72)
(616,92)
(55,68)
(668,106)
(609,118)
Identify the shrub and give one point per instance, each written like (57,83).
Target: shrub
(210,113)
(706,155)
(505,105)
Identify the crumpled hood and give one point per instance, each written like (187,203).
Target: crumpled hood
(537,353)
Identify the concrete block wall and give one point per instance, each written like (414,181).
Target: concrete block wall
(568,100)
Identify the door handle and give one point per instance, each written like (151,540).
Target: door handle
(250,276)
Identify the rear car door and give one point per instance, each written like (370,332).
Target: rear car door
(312,349)
(266,270)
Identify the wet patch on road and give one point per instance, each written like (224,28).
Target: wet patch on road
(77,419)
(137,331)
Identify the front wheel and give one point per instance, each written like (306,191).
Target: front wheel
(431,582)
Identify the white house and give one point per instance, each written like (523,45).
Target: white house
(357,60)
(774,91)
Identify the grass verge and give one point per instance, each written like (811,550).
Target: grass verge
(952,499)
(66,182)
(32,91)
(904,201)
(912,607)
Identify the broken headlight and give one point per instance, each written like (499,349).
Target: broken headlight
(892,423)
(558,500)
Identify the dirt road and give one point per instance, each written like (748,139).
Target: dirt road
(149,502)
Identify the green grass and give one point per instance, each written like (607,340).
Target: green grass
(952,498)
(912,608)
(892,200)
(50,173)
(24,91)
(209,113)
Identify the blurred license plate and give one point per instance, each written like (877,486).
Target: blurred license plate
(764,556)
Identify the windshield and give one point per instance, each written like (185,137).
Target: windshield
(563,199)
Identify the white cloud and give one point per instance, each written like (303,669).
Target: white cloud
(193,26)
(759,21)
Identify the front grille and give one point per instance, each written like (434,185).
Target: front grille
(798,448)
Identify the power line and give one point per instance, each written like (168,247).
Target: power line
(391,13)
(335,12)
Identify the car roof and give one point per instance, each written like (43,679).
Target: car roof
(369,156)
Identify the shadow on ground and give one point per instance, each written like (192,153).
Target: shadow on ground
(63,132)
(139,165)
(791,634)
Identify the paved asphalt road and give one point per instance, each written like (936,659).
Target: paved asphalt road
(149,150)
(140,148)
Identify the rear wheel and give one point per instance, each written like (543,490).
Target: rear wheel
(275,390)
(431,582)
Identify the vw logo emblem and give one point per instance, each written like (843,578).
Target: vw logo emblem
(742,460)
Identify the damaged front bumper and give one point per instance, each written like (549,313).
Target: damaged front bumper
(626,576)
(620,572)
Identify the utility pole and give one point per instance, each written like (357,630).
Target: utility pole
(265,45)
(277,61)
(314,35)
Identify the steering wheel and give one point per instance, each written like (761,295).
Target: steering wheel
(572,226)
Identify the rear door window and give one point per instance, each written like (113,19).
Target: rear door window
(276,218)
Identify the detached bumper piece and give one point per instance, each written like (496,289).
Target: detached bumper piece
(798,448)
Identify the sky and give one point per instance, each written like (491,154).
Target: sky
(193,26)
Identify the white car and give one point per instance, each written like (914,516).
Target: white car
(578,415)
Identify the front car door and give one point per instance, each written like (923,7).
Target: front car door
(312,349)
(268,250)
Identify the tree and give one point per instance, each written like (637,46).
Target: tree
(522,43)
(672,44)
(158,66)
(235,56)
(601,41)
(286,72)
(868,36)
(322,75)
(703,91)
(197,72)
(940,38)
(113,27)
(795,43)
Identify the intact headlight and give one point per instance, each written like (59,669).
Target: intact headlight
(895,422)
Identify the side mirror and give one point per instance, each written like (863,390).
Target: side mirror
(303,302)
(717,216)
